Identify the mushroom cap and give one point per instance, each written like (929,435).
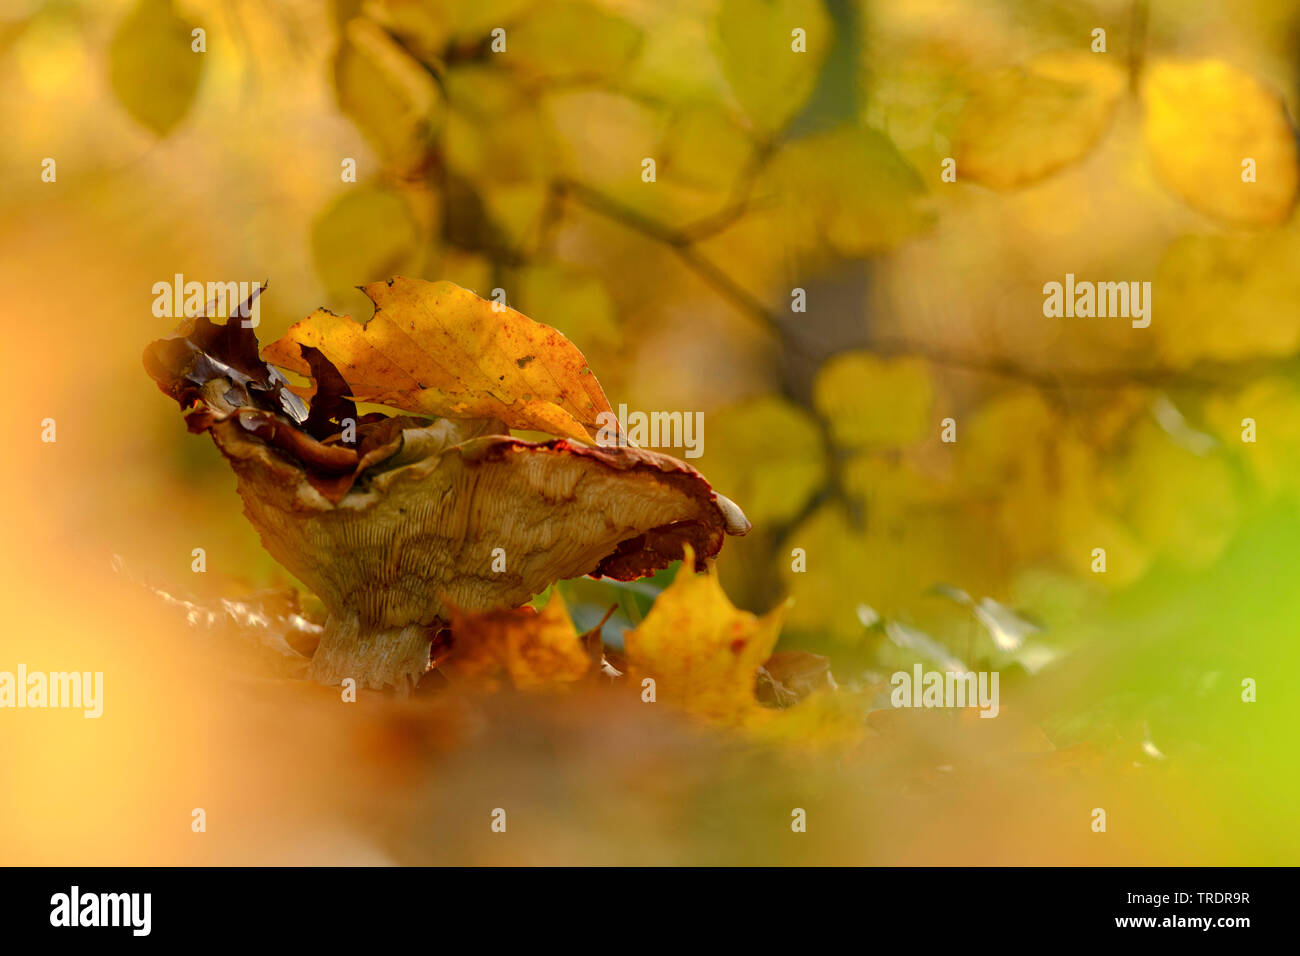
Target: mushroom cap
(422,532)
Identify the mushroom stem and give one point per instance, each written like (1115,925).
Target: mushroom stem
(375,657)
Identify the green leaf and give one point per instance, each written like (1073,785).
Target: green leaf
(756,42)
(767,455)
(871,401)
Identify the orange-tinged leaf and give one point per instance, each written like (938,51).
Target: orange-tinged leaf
(437,349)
(1204,119)
(534,650)
(702,652)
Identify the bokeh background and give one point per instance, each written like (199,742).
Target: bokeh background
(775,171)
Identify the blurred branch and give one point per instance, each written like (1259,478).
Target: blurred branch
(436,68)
(1205,376)
(681,243)
(711,225)
(1139,16)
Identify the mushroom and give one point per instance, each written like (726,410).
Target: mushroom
(423,517)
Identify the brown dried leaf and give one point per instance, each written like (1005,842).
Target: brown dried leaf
(214,373)
(330,406)
(200,353)
(790,676)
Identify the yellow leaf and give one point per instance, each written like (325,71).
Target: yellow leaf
(1229,297)
(1007,458)
(517,210)
(677,57)
(875,401)
(745,251)
(827,721)
(1024,123)
(495,132)
(424,28)
(702,652)
(888,484)
(476,21)
(437,349)
(840,565)
(469,270)
(1180,503)
(703,154)
(889,564)
(619,146)
(535,650)
(1085,526)
(602,138)
(768,454)
(1273,405)
(1203,120)
(847,188)
(572,41)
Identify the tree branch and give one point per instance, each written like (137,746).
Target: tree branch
(682,245)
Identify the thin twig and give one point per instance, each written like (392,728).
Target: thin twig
(1215,375)
(682,246)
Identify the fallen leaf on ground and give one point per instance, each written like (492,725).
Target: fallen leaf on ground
(702,652)
(532,649)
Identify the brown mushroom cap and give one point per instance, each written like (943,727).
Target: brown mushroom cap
(389,560)
(424,532)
